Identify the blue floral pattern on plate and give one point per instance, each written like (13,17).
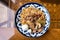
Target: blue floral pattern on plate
(26,32)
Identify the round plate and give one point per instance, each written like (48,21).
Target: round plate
(25,31)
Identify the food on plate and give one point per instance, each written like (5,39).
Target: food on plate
(34,18)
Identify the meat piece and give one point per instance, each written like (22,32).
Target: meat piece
(31,25)
(38,25)
(34,30)
(39,30)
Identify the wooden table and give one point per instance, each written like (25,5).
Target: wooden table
(53,32)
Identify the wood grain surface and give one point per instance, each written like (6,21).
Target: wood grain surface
(53,33)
